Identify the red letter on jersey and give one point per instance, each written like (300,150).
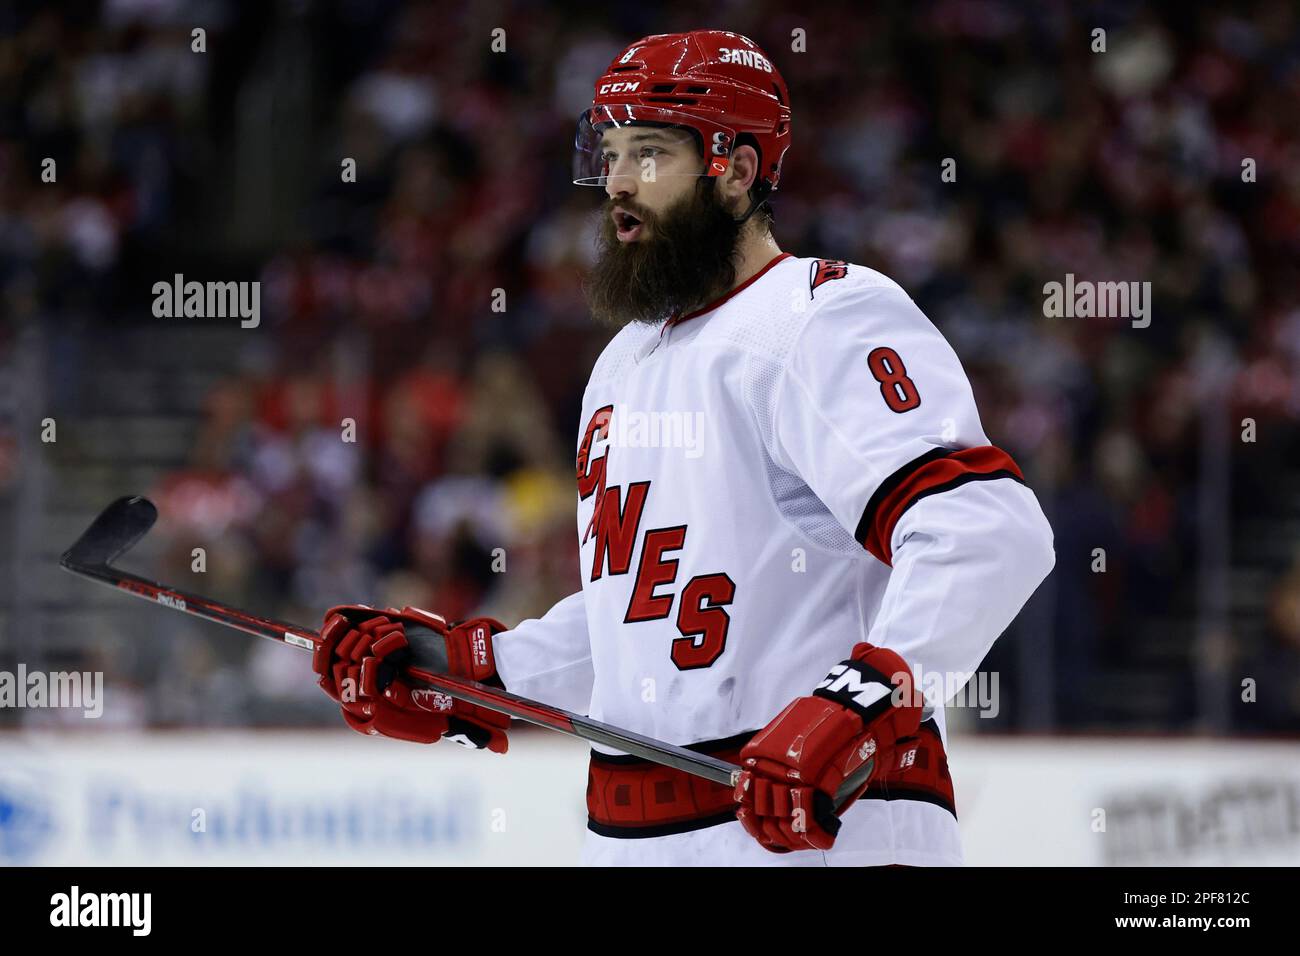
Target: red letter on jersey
(616,528)
(592,473)
(654,571)
(709,623)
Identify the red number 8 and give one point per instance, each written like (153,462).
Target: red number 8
(899,391)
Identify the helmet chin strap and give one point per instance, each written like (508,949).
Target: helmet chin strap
(761,192)
(752,207)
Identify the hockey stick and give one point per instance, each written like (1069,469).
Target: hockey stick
(123,523)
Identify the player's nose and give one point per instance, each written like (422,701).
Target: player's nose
(619,192)
(620,183)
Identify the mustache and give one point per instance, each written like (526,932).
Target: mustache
(645,215)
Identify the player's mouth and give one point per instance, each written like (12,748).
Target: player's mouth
(627,225)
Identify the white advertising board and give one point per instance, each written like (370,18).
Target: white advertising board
(334,798)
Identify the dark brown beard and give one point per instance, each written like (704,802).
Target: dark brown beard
(688,259)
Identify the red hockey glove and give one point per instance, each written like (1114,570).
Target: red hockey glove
(360,659)
(794,766)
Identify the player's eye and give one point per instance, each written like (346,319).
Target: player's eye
(608,156)
(648,151)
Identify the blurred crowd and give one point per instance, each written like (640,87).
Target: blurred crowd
(435,301)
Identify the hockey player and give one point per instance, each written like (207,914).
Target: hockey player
(786,507)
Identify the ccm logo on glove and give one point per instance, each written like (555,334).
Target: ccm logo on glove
(848,683)
(816,757)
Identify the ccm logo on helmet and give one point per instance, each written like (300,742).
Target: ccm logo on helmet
(619,87)
(846,680)
(745,58)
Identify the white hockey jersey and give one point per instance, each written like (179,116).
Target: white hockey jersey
(792,470)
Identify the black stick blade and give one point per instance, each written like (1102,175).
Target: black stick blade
(117,529)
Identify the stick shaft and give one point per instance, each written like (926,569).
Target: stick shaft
(680,758)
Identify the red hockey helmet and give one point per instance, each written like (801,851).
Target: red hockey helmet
(714,86)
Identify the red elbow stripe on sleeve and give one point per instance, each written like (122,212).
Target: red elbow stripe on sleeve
(933,472)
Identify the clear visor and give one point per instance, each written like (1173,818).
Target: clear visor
(646,142)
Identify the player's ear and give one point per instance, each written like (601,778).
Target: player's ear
(741,175)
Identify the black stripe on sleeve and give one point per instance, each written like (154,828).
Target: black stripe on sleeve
(886,487)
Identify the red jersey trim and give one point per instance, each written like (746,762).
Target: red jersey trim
(677,320)
(632,798)
(934,472)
